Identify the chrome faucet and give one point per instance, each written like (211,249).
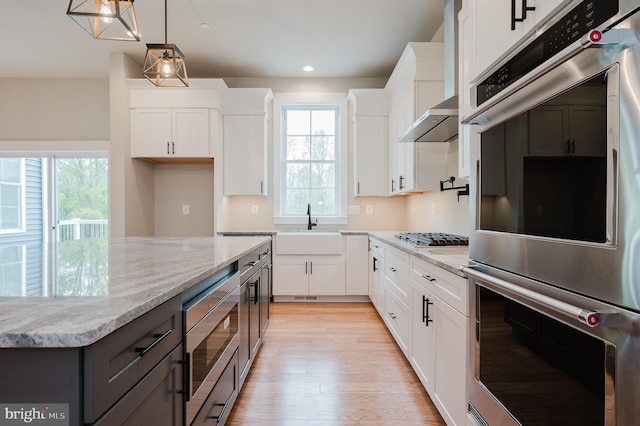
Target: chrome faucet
(310,225)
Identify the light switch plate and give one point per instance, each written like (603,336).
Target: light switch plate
(354,209)
(185,209)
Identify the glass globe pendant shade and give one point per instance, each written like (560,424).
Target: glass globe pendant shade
(106,19)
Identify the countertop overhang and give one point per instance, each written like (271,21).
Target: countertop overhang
(116,281)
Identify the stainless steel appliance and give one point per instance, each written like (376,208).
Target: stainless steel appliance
(432,239)
(555,238)
(211,340)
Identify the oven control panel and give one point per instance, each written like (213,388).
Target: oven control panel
(585,17)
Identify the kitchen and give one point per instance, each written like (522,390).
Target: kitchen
(145,197)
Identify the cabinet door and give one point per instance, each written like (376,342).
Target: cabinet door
(151,132)
(450,345)
(494,36)
(157,399)
(245,155)
(290,276)
(423,335)
(396,315)
(549,130)
(190,132)
(265,297)
(493,33)
(327,276)
(356,262)
(370,149)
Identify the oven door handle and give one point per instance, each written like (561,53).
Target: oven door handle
(585,316)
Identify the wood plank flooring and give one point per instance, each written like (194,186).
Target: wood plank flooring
(331,364)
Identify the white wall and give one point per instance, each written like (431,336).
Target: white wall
(54,109)
(184,184)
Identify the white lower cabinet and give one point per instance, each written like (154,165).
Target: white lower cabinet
(309,276)
(396,316)
(439,352)
(356,264)
(426,309)
(376,275)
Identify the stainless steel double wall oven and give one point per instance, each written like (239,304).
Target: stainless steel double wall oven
(555,241)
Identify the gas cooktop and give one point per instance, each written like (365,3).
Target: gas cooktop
(433,239)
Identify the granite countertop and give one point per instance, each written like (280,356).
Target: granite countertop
(275,231)
(99,285)
(450,258)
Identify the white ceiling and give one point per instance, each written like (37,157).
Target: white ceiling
(247,38)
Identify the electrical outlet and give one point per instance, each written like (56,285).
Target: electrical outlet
(433,209)
(369,209)
(185,209)
(254,209)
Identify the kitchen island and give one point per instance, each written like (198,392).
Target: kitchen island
(99,300)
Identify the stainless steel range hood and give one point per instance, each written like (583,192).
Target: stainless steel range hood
(438,124)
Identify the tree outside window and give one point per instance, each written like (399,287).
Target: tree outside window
(310,160)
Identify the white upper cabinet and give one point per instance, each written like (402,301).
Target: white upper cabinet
(370,119)
(175,125)
(495,33)
(416,84)
(246,141)
(170,132)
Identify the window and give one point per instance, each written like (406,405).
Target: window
(310,160)
(11,195)
(52,195)
(310,166)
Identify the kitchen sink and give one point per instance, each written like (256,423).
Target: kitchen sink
(308,242)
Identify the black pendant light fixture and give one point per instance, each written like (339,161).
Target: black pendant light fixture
(106,19)
(164,63)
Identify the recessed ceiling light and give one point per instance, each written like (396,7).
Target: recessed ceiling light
(308,68)
(205,26)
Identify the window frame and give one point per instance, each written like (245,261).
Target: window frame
(312,100)
(21,203)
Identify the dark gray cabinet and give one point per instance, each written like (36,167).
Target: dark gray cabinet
(114,364)
(255,294)
(132,376)
(156,400)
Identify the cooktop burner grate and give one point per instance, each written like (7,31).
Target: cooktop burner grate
(433,239)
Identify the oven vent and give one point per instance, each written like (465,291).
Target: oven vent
(477,415)
(305,298)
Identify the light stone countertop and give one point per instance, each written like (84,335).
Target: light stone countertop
(450,258)
(99,285)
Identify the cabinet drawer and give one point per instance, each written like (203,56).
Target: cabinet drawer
(397,318)
(447,286)
(396,272)
(114,364)
(156,400)
(217,407)
(377,248)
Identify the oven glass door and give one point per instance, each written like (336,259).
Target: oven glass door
(544,171)
(206,354)
(542,371)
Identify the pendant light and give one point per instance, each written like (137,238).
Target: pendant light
(106,19)
(164,63)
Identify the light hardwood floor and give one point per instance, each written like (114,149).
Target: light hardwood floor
(331,364)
